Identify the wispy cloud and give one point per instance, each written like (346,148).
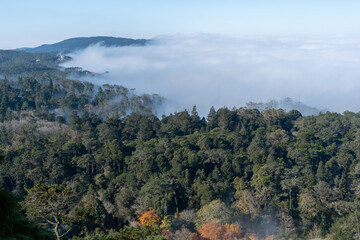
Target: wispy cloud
(214,70)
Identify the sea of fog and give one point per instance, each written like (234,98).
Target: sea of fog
(214,70)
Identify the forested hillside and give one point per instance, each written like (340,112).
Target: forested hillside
(266,173)
(81,161)
(14,63)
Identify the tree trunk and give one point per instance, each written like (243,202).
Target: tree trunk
(56,229)
(290,203)
(176,204)
(357,225)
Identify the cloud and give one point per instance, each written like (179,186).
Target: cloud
(216,70)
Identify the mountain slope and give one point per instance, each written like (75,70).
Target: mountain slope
(73,44)
(13,63)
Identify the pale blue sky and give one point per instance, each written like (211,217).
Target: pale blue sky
(31,23)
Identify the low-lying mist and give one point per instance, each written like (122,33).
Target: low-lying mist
(213,70)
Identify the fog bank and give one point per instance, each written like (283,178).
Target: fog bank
(214,70)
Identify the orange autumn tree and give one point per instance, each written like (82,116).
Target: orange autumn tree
(149,217)
(213,231)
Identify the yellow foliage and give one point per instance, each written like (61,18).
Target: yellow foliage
(165,224)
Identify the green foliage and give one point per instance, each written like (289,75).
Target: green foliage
(344,228)
(128,233)
(159,194)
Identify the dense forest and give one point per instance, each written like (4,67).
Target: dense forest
(80,161)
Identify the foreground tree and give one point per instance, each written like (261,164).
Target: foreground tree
(50,204)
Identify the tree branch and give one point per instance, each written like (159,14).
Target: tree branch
(66,232)
(48,221)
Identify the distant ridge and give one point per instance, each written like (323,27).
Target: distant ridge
(73,44)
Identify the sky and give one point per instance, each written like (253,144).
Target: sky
(31,23)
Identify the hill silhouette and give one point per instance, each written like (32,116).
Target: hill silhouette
(73,44)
